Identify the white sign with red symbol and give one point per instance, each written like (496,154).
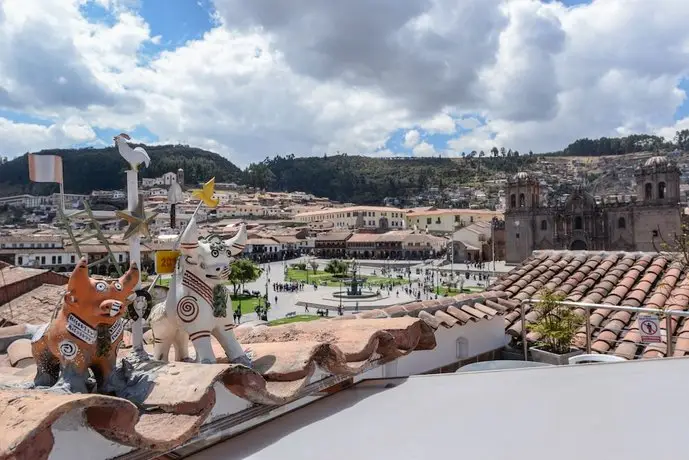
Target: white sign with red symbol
(650,328)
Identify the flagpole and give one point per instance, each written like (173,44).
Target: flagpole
(135,257)
(179,237)
(62,197)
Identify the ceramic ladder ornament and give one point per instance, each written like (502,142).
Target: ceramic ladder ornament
(196,304)
(84,333)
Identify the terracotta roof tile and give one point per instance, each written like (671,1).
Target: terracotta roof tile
(178,397)
(34,307)
(650,280)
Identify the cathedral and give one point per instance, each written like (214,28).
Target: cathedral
(583,222)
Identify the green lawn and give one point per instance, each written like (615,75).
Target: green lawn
(321,276)
(445,291)
(293,319)
(248,303)
(301,275)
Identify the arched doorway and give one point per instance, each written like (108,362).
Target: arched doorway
(578,245)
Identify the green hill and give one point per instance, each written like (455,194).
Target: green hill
(369,180)
(90,169)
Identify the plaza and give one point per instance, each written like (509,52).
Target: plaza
(309,300)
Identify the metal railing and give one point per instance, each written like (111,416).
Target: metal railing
(587,307)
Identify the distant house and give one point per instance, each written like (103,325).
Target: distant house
(332,244)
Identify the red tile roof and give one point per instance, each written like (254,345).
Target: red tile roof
(34,307)
(11,274)
(449,311)
(649,280)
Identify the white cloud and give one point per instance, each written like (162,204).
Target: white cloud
(411,138)
(441,123)
(424,149)
(347,76)
(29,137)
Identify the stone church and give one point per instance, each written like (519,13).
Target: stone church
(583,222)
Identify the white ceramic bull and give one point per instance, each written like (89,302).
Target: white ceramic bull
(197,301)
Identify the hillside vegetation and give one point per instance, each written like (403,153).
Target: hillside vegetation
(343,177)
(104,169)
(360,179)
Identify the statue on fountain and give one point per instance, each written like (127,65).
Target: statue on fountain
(354,285)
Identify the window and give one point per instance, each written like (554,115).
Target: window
(428,221)
(457,218)
(53,260)
(578,223)
(119,256)
(544,225)
(42,260)
(71,259)
(522,201)
(462,348)
(437,221)
(471,218)
(513,201)
(661,190)
(621,223)
(649,192)
(19,260)
(59,259)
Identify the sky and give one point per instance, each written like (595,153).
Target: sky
(255,78)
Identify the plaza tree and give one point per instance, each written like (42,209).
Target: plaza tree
(314,266)
(243,271)
(337,267)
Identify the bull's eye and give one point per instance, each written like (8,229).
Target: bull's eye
(101,286)
(118,286)
(215,253)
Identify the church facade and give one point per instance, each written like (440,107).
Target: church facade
(582,222)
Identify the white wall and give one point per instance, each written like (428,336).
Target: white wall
(476,339)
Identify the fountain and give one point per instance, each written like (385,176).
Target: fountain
(355,296)
(354,290)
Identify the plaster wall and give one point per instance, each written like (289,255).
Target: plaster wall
(453,345)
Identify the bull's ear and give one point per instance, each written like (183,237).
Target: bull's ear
(79,276)
(189,242)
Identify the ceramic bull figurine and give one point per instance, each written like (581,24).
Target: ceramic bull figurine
(85,331)
(196,305)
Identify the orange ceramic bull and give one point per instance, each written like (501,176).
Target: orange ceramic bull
(85,331)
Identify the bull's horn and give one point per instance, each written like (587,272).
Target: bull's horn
(237,242)
(190,236)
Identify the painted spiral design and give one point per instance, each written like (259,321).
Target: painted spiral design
(68,349)
(187,309)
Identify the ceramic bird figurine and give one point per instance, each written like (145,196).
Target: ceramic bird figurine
(205,194)
(133,156)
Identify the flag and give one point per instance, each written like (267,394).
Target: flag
(45,168)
